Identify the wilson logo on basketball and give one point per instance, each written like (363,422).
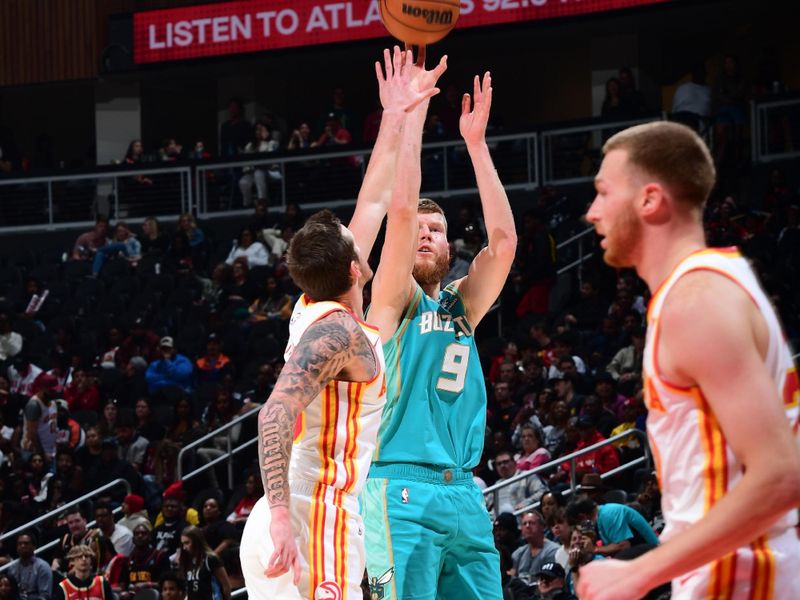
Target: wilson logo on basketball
(430,16)
(328,590)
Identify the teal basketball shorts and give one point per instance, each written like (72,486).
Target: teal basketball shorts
(428,535)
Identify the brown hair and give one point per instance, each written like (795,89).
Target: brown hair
(200,549)
(671,153)
(426,205)
(319,257)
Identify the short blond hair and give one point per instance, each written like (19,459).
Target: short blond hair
(673,154)
(79,551)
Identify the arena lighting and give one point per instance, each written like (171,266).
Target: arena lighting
(224,28)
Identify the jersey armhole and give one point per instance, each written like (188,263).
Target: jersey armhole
(405,320)
(656,369)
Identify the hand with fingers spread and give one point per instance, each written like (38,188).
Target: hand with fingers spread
(475,111)
(425,79)
(397,87)
(285,555)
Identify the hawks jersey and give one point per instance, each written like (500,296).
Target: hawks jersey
(695,465)
(335,435)
(436,398)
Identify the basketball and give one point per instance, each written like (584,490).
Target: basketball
(419,22)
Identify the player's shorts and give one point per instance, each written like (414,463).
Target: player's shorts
(767,569)
(429,535)
(330,540)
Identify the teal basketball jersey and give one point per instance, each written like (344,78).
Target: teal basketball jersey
(435,412)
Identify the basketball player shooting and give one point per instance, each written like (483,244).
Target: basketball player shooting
(720,384)
(428,532)
(304,538)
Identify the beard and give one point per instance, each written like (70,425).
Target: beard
(623,238)
(429,274)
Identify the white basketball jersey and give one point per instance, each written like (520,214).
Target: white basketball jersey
(695,465)
(335,435)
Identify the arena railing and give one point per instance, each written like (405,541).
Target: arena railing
(494,491)
(775,131)
(60,511)
(69,201)
(228,454)
(329,179)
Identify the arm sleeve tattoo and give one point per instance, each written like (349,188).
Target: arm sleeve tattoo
(326,348)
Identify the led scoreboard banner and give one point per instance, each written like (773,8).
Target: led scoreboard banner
(223,28)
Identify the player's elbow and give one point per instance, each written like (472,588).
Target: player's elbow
(506,246)
(785,492)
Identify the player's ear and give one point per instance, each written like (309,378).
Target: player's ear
(652,200)
(355,271)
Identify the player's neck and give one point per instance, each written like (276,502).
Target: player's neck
(431,289)
(354,300)
(662,253)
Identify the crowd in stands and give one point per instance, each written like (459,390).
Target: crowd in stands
(148,338)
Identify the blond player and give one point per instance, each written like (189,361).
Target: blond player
(719,380)
(317,431)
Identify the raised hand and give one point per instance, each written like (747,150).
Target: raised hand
(285,556)
(475,110)
(400,88)
(425,79)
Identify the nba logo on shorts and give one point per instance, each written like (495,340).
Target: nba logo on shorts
(328,590)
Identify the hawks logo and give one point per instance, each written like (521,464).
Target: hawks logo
(377,584)
(328,590)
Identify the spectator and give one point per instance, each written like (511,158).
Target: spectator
(82,393)
(147,564)
(171,587)
(601,460)
(135,513)
(68,474)
(22,375)
(533,452)
(183,421)
(146,426)
(31,572)
(612,108)
(141,342)
(691,104)
(300,138)
(39,423)
(240,286)
(603,419)
(506,531)
(213,366)
(627,363)
(132,384)
(10,341)
(503,409)
(274,304)
(111,468)
(200,567)
(618,526)
(555,436)
(551,581)
(172,369)
(528,559)
(132,446)
(220,413)
(69,432)
(265,382)
(120,536)
(125,243)
(135,155)
(514,588)
(249,248)
(108,420)
(219,533)
(256,176)
(188,226)
(562,531)
(166,535)
(9,588)
(345,116)
(253,490)
(190,515)
(90,242)
(519,494)
(235,131)
(153,240)
(170,150)
(564,385)
(89,456)
(631,100)
(77,535)
(334,133)
(81,580)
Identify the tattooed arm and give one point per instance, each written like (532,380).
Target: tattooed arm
(333,347)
